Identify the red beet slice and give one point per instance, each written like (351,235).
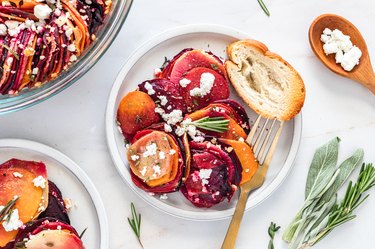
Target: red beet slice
(165,89)
(219,90)
(212,176)
(192,59)
(238,113)
(168,68)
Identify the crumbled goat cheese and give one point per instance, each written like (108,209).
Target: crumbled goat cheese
(68,32)
(40,182)
(35,70)
(143,171)
(150,150)
(335,42)
(206,83)
(17,174)
(42,11)
(163,100)
(150,90)
(73,58)
(173,117)
(184,82)
(72,47)
(157,170)
(205,174)
(13,222)
(134,157)
(172,152)
(161,155)
(3,29)
(241,139)
(167,128)
(195,134)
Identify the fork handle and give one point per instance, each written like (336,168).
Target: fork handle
(231,236)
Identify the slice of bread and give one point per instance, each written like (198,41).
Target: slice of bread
(266,82)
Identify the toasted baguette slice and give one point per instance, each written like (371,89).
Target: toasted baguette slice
(266,82)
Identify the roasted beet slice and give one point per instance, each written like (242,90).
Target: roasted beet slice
(239,113)
(166,69)
(199,78)
(165,93)
(192,59)
(48,233)
(158,169)
(56,206)
(212,176)
(24,179)
(136,112)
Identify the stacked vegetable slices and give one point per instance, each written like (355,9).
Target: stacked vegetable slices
(40,39)
(33,213)
(183,132)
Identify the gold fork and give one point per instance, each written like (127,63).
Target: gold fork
(263,149)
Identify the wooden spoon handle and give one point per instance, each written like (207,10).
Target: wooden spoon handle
(231,236)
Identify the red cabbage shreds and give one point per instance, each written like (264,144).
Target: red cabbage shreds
(192,59)
(56,206)
(165,93)
(211,178)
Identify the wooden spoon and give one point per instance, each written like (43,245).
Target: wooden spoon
(362,73)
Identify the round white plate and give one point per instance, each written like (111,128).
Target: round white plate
(87,210)
(140,67)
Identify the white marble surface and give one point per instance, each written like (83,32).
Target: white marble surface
(73,121)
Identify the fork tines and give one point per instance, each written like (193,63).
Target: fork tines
(263,137)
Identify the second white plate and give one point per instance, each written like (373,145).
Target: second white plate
(140,67)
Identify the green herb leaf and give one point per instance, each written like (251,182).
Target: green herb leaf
(135,223)
(215,124)
(264,8)
(322,168)
(272,229)
(14,53)
(7,210)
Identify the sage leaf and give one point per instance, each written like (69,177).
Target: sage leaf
(322,168)
(346,168)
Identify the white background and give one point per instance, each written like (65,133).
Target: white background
(73,121)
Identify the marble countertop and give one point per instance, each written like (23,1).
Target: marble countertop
(73,121)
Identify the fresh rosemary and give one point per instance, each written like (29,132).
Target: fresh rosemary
(135,223)
(215,124)
(272,229)
(264,7)
(14,53)
(6,212)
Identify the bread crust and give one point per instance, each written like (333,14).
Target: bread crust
(294,98)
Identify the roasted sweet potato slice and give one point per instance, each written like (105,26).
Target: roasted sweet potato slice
(219,90)
(136,112)
(16,179)
(245,155)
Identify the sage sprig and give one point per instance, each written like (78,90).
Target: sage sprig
(7,210)
(320,212)
(135,223)
(215,124)
(272,229)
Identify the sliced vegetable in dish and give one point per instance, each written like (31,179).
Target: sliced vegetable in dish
(39,39)
(183,132)
(27,197)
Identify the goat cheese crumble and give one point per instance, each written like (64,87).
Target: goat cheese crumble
(206,83)
(205,174)
(13,222)
(150,90)
(346,54)
(150,150)
(40,182)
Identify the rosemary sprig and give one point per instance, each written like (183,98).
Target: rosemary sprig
(135,223)
(6,212)
(215,124)
(272,229)
(343,212)
(264,7)
(14,53)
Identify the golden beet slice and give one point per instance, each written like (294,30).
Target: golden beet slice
(16,179)
(136,112)
(151,160)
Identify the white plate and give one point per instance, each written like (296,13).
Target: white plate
(140,67)
(88,210)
